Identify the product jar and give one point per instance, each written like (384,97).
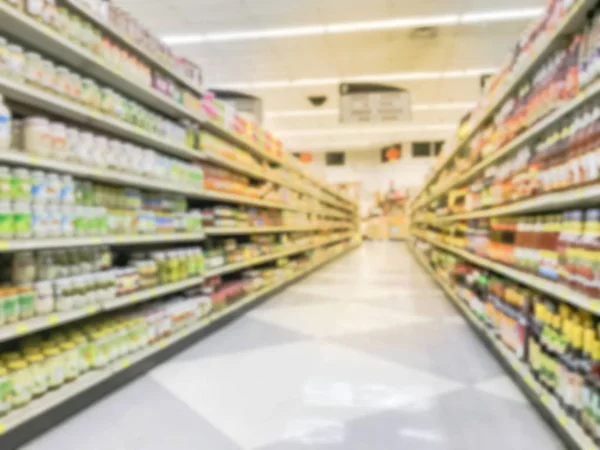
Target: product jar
(5,391)
(33,68)
(10,305)
(44,297)
(21,382)
(39,373)
(6,221)
(20,184)
(5,189)
(71,360)
(58,132)
(26,302)
(55,366)
(22,219)
(5,125)
(15,61)
(37,137)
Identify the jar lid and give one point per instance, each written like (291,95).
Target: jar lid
(17,364)
(35,358)
(51,351)
(68,345)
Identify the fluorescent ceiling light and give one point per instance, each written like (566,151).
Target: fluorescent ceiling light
(398,76)
(336,111)
(371,131)
(357,27)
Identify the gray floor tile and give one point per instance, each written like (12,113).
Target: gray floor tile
(449,350)
(141,416)
(248,333)
(455,421)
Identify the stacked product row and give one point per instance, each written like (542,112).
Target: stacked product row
(509,221)
(559,343)
(118,207)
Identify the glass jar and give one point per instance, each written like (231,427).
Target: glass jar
(6,220)
(15,61)
(37,137)
(34,8)
(73,143)
(53,188)
(20,184)
(23,268)
(20,377)
(22,216)
(67,220)
(39,183)
(5,391)
(67,193)
(44,297)
(83,351)
(39,372)
(26,302)
(5,125)
(49,75)
(63,81)
(71,360)
(33,68)
(10,305)
(5,190)
(64,294)
(58,131)
(55,367)
(40,220)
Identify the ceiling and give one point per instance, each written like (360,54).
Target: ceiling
(333,57)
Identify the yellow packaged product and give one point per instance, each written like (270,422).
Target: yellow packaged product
(55,367)
(20,377)
(39,373)
(71,360)
(5,391)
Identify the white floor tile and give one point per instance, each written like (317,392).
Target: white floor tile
(335,319)
(272,394)
(503,387)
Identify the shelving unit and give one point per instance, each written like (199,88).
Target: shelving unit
(565,426)
(51,409)
(573,22)
(500,207)
(318,224)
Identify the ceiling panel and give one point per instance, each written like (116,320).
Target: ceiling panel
(339,55)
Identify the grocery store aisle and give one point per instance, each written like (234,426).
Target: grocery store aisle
(366,354)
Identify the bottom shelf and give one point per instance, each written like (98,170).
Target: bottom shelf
(40,415)
(568,429)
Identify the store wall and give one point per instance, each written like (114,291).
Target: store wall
(365,167)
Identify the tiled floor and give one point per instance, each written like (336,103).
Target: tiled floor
(365,355)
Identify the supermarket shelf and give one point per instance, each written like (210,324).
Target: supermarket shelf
(263,259)
(238,140)
(570,24)
(581,196)
(143,54)
(544,285)
(213,231)
(518,142)
(24,424)
(134,239)
(155,292)
(567,428)
(58,106)
(35,324)
(125,179)
(44,39)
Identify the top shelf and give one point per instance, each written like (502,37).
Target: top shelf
(44,39)
(139,51)
(572,22)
